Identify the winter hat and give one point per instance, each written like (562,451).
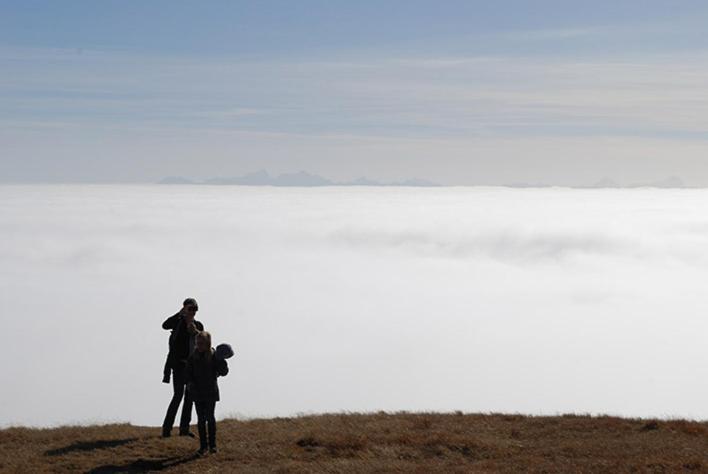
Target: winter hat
(224,351)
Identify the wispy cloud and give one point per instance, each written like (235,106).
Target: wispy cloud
(516,247)
(415,96)
(553,33)
(435,106)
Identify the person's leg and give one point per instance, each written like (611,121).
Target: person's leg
(201,423)
(177,393)
(186,417)
(211,420)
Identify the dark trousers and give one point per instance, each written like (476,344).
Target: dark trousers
(179,390)
(206,420)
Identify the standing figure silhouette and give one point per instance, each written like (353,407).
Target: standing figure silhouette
(182,340)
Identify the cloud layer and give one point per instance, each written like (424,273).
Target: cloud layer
(484,299)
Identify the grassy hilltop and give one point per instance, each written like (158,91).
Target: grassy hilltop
(379,442)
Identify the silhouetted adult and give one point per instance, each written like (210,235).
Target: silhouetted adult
(184,329)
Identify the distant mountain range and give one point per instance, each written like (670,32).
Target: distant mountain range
(301,178)
(670,182)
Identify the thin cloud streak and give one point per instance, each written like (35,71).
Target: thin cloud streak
(115,117)
(431,96)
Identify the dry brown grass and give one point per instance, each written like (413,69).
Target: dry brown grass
(403,442)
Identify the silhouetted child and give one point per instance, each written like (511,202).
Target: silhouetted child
(203,367)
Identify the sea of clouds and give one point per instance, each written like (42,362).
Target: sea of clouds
(536,301)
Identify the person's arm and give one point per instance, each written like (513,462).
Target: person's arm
(222,368)
(199,325)
(171,322)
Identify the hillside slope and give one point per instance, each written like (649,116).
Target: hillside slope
(401,442)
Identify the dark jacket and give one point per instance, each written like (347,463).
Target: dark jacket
(181,341)
(202,372)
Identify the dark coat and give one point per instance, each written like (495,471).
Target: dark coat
(181,341)
(202,372)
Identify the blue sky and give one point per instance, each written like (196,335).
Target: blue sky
(457,92)
(305,28)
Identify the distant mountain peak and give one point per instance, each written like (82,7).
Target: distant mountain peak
(175,180)
(606,183)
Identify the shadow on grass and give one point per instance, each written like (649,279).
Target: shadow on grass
(143,465)
(89,446)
